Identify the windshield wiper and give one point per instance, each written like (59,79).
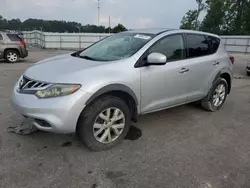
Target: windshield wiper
(87,57)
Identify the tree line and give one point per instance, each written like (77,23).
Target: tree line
(222,17)
(55,26)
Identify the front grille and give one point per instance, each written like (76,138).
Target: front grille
(27,83)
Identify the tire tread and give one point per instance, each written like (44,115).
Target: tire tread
(86,120)
(207,101)
(8,51)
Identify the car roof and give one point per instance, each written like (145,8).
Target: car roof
(158,31)
(154,31)
(4,32)
(10,32)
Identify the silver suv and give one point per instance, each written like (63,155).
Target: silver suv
(12,47)
(98,91)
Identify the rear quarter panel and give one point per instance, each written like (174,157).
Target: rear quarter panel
(225,66)
(8,44)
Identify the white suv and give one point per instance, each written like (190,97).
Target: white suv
(98,91)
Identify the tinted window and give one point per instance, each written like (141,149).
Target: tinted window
(171,46)
(1,37)
(14,37)
(197,45)
(214,43)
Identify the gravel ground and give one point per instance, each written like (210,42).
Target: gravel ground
(183,147)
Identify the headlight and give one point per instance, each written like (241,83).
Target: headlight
(58,90)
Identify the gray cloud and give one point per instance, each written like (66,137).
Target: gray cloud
(131,13)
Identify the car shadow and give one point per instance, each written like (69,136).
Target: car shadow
(2,61)
(51,141)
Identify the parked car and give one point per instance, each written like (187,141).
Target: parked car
(248,68)
(12,47)
(98,91)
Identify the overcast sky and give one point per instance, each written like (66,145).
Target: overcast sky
(131,13)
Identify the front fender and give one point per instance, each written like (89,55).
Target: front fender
(113,87)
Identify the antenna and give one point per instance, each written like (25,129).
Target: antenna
(98,7)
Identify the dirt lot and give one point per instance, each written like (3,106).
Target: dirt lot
(183,147)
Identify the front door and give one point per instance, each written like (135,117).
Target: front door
(165,86)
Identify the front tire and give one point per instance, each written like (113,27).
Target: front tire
(248,73)
(104,123)
(11,56)
(216,96)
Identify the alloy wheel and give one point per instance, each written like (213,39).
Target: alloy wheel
(12,56)
(109,125)
(219,95)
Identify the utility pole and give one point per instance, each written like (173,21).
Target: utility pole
(109,24)
(98,7)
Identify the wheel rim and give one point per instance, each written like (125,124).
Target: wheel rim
(12,56)
(219,95)
(109,125)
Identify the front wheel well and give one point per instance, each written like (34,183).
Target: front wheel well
(127,98)
(227,77)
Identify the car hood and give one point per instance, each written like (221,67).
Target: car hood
(58,68)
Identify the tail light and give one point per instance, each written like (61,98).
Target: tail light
(232,59)
(22,43)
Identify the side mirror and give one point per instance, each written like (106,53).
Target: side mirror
(156,59)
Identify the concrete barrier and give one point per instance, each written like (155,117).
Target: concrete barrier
(240,44)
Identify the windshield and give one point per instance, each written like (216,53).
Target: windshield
(116,47)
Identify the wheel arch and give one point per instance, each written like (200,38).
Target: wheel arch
(121,91)
(8,49)
(227,76)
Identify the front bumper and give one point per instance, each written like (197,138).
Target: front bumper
(61,113)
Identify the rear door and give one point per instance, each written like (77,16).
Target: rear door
(202,65)
(15,42)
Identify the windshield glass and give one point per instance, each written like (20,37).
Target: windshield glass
(116,47)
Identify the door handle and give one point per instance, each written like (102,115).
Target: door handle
(216,63)
(184,70)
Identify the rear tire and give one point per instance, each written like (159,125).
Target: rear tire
(216,96)
(11,56)
(97,128)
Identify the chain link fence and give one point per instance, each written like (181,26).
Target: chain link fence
(61,40)
(40,39)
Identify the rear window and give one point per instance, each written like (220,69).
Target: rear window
(14,37)
(214,43)
(197,46)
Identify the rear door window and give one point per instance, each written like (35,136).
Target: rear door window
(1,37)
(197,45)
(214,43)
(14,37)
